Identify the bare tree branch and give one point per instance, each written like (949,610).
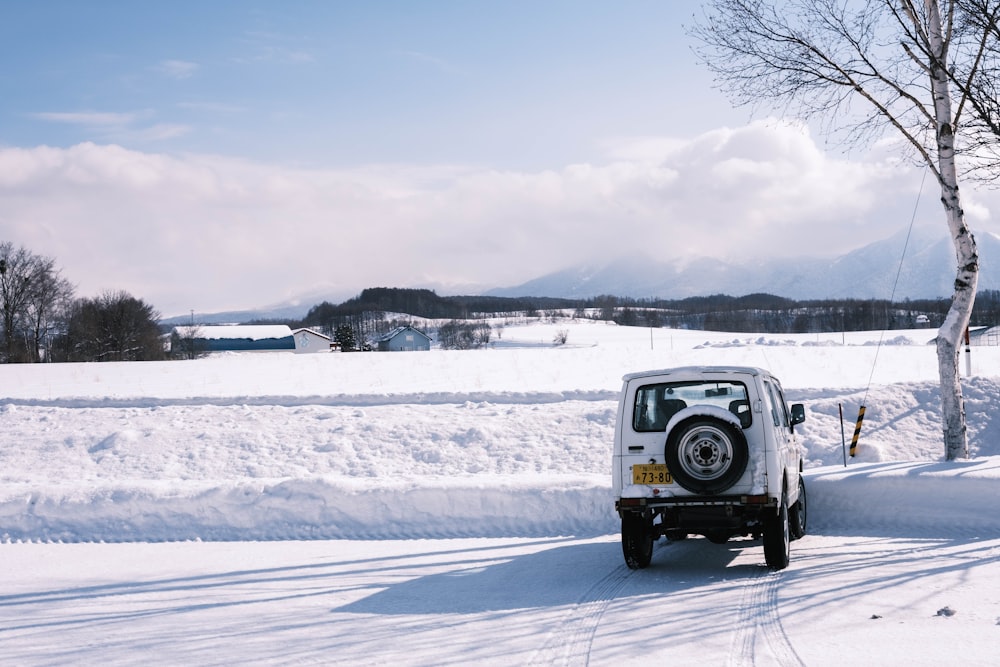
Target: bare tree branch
(916,68)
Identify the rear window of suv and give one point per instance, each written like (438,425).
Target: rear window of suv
(655,404)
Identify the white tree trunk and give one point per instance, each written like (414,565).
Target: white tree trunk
(952,330)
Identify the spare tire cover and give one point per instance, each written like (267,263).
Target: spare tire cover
(706,455)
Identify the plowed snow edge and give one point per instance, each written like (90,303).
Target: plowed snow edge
(910,499)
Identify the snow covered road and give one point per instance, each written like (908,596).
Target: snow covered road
(415,509)
(844,600)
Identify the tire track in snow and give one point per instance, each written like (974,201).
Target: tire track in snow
(759,620)
(569,643)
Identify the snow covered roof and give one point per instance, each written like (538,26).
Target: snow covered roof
(311,331)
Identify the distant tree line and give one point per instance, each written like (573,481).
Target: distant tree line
(42,320)
(766,313)
(427,304)
(378,310)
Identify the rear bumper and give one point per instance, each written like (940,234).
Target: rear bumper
(701,514)
(746,500)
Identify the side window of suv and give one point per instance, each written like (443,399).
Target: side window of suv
(776,400)
(772,403)
(787,418)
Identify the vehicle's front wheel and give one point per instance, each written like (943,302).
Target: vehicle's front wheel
(777,537)
(637,540)
(798,513)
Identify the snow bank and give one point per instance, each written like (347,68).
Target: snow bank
(916,498)
(939,499)
(512,441)
(311,509)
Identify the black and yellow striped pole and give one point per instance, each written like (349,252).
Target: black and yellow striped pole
(857,430)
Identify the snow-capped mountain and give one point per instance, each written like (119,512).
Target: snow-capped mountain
(927,270)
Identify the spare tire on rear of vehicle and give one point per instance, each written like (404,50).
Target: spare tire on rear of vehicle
(706,455)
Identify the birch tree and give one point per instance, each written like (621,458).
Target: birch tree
(921,70)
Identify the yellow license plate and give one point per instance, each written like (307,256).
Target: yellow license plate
(651,473)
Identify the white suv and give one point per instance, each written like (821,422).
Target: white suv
(709,451)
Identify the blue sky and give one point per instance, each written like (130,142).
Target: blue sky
(511,84)
(219,155)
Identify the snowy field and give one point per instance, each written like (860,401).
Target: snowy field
(454,508)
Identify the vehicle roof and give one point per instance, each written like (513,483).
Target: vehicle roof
(698,371)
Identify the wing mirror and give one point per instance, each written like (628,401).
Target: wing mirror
(798,413)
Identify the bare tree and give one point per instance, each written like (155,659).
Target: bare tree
(188,342)
(115,326)
(31,297)
(16,266)
(47,304)
(464,335)
(922,69)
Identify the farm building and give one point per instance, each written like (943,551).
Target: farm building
(309,341)
(404,339)
(984,336)
(237,337)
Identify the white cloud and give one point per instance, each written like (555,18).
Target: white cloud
(86,118)
(161,131)
(275,54)
(428,59)
(214,107)
(177,69)
(209,233)
(119,126)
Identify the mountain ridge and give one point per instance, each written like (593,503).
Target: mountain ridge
(878,270)
(874,271)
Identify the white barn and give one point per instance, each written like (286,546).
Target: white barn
(308,341)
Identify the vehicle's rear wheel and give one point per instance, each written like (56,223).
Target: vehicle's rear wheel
(706,455)
(798,513)
(637,540)
(777,537)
